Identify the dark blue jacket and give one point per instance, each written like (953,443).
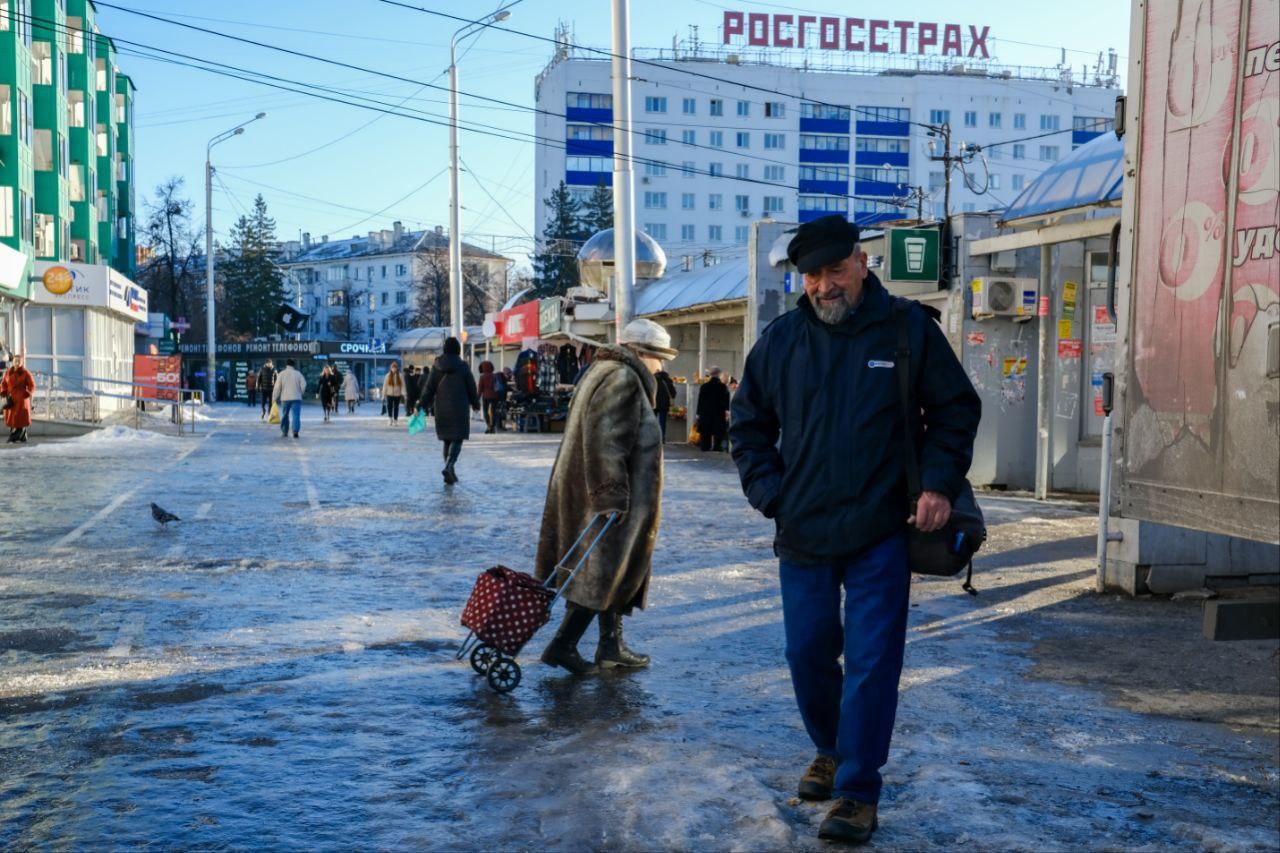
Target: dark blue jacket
(836,483)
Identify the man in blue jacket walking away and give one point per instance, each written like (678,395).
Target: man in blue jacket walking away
(819,441)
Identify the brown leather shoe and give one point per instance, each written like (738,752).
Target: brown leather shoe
(816,782)
(851,821)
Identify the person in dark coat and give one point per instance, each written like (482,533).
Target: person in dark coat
(826,460)
(451,390)
(412,389)
(489,396)
(266,383)
(713,413)
(662,402)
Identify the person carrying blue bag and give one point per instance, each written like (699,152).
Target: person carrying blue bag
(451,393)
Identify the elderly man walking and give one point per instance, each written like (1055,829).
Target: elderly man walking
(818,438)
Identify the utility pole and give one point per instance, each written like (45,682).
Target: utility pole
(947,159)
(624,202)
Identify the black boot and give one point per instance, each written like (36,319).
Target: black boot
(563,649)
(612,651)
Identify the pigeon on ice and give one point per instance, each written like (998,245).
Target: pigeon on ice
(162,515)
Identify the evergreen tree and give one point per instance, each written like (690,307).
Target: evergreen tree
(597,211)
(555,267)
(252,284)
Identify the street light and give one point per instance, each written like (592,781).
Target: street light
(455,239)
(212,367)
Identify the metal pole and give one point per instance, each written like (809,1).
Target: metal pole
(702,350)
(1104,486)
(1044,374)
(624,203)
(455,240)
(211,366)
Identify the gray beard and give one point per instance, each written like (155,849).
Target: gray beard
(833,313)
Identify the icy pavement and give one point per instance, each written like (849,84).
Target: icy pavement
(277,670)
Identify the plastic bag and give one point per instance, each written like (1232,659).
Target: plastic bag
(274,417)
(417,423)
(695,436)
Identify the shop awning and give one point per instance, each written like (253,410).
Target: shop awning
(431,338)
(681,290)
(1090,176)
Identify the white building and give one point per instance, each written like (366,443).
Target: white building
(365,287)
(713,156)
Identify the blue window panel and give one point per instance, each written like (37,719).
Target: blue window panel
(884,128)
(588,147)
(864,219)
(880,158)
(814,155)
(810,215)
(588,179)
(877,188)
(828,187)
(576,114)
(824,125)
(1080,137)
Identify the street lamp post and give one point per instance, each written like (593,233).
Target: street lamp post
(212,366)
(624,202)
(455,239)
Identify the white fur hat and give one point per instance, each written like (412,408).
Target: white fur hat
(649,337)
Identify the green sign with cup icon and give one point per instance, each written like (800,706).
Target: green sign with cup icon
(913,254)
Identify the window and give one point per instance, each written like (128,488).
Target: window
(76,182)
(402,297)
(936,181)
(655,201)
(75,34)
(884,114)
(688,168)
(715,233)
(43,152)
(6,211)
(655,104)
(882,144)
(6,14)
(741,234)
(6,109)
(588,164)
(368,273)
(686,233)
(401,269)
(888,176)
(742,202)
(967,207)
(588,101)
(773,204)
(1093,124)
(717,139)
(687,201)
(689,137)
(1019,151)
(824,111)
(819,142)
(386,298)
(743,139)
(24,118)
(775,109)
(830,204)
(971,118)
(994,153)
(655,136)
(993,182)
(75,108)
(689,106)
(384,270)
(939,116)
(715,201)
(386,324)
(101,137)
(993,120)
(824,173)
(44,235)
(656,230)
(655,169)
(715,170)
(776,141)
(1019,121)
(1049,153)
(41,62)
(744,108)
(742,170)
(1016,182)
(716,107)
(594,132)
(1049,122)
(100,73)
(336,298)
(402,322)
(775,173)
(64,154)
(26,215)
(120,108)
(373,302)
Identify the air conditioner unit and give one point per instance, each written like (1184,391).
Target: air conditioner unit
(745,213)
(644,180)
(1005,297)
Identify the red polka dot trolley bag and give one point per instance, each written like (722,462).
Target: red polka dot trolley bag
(506,609)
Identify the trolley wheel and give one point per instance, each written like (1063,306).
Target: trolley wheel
(504,674)
(481,657)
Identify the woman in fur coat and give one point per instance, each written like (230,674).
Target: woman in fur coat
(610,461)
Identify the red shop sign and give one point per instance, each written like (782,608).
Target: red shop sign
(519,323)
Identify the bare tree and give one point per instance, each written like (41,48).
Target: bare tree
(172,274)
(346,323)
(431,292)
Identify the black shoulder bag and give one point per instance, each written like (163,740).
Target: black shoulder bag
(946,551)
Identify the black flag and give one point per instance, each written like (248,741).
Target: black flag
(291,318)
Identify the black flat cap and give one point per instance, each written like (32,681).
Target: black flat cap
(821,242)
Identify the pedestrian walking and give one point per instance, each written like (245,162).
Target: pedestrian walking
(330,382)
(351,391)
(825,460)
(251,386)
(393,391)
(610,461)
(16,388)
(451,393)
(266,383)
(412,389)
(288,389)
(490,395)
(713,413)
(665,394)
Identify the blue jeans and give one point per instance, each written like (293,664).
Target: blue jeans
(293,407)
(849,714)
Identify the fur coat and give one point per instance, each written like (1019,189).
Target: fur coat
(610,459)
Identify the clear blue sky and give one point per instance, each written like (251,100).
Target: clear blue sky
(380,163)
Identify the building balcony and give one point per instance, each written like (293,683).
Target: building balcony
(588,179)
(825,187)
(589,115)
(588,148)
(878,188)
(824,125)
(823,155)
(810,215)
(881,158)
(884,128)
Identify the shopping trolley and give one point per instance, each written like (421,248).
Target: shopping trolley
(506,608)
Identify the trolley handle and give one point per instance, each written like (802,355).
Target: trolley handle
(563,564)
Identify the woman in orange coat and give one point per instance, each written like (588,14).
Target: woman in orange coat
(17,386)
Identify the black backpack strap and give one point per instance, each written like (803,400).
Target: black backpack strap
(902,366)
(967,586)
